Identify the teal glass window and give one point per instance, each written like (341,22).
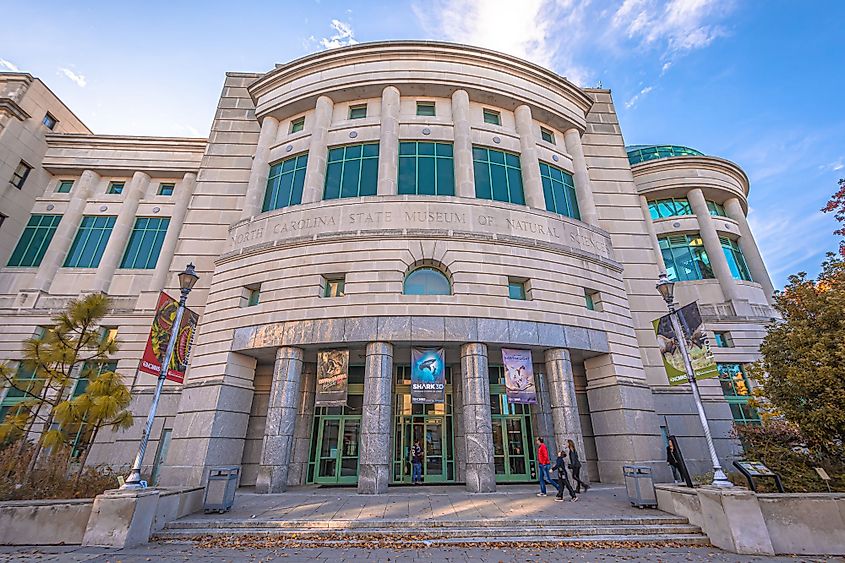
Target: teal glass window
(736,388)
(166,189)
(589,301)
(716,209)
(145,242)
(90,242)
(492,117)
(297,125)
(685,258)
(285,182)
(547,135)
(426,168)
(334,286)
(559,191)
(516,290)
(669,207)
(254,297)
(427,281)
(34,241)
(723,339)
(64,186)
(116,187)
(352,171)
(426,109)
(358,112)
(643,153)
(736,260)
(497,175)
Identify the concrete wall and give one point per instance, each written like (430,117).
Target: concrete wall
(44,522)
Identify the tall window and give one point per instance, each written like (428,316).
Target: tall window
(716,209)
(559,190)
(497,175)
(685,258)
(26,384)
(284,185)
(352,171)
(670,207)
(736,388)
(90,242)
(736,260)
(20,174)
(426,168)
(34,241)
(145,242)
(427,281)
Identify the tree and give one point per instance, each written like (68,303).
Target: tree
(55,363)
(836,205)
(803,357)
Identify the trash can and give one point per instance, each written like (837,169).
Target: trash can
(220,489)
(640,485)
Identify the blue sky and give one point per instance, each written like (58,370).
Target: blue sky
(760,83)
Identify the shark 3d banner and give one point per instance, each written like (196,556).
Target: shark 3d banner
(428,376)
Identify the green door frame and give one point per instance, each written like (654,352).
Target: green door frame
(405,434)
(339,453)
(511,412)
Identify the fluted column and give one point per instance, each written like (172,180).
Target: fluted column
(388,152)
(182,192)
(282,411)
(529,162)
(116,244)
(712,245)
(315,171)
(376,422)
(464,174)
(583,187)
(66,231)
(563,402)
(480,472)
(260,169)
(749,248)
(652,234)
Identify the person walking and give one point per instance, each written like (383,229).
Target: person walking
(416,463)
(562,478)
(674,461)
(544,463)
(575,466)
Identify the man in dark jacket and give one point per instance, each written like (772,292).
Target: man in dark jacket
(562,477)
(575,466)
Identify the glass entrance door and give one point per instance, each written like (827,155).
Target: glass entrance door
(513,440)
(431,432)
(337,461)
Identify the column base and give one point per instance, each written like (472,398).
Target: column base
(271,480)
(480,478)
(373,479)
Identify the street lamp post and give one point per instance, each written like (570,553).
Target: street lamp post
(666,289)
(187,279)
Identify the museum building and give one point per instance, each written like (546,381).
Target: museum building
(377,199)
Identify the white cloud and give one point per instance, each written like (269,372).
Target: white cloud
(834,166)
(666,66)
(78,79)
(344,36)
(636,97)
(9,65)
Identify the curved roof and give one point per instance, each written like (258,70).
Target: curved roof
(642,153)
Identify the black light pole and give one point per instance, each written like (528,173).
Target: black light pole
(187,279)
(667,291)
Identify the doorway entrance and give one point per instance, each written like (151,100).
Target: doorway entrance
(513,441)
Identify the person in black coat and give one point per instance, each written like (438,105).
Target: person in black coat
(562,478)
(575,466)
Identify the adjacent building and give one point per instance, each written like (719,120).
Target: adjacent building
(378,198)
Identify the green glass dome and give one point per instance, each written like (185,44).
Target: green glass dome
(642,153)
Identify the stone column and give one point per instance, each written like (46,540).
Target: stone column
(315,171)
(260,169)
(712,245)
(298,472)
(388,152)
(116,245)
(541,413)
(285,400)
(749,248)
(374,454)
(66,231)
(478,425)
(563,402)
(652,234)
(529,162)
(182,192)
(459,448)
(464,174)
(583,187)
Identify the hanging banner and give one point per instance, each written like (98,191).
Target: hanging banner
(332,378)
(701,357)
(160,336)
(428,376)
(519,376)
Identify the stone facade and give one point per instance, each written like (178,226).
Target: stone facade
(249,395)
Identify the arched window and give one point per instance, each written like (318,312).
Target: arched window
(427,281)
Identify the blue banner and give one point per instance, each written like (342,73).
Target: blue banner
(428,376)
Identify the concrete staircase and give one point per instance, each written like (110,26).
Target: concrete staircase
(656,529)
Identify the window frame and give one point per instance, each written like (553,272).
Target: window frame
(48,232)
(49,117)
(166,186)
(296,125)
(521,287)
(656,208)
(670,244)
(138,237)
(512,170)
(333,286)
(79,247)
(715,209)
(292,179)
(491,116)
(442,167)
(426,268)
(368,161)
(19,178)
(723,339)
(112,188)
(731,375)
(548,135)
(558,182)
(420,104)
(355,108)
(736,259)
(63,183)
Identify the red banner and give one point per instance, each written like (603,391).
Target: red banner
(160,336)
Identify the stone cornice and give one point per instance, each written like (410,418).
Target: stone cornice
(11,107)
(693,163)
(126,142)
